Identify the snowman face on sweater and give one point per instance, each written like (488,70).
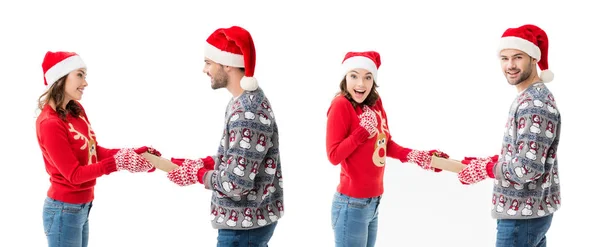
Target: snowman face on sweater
(359,83)
(516,65)
(522,122)
(521,146)
(533,146)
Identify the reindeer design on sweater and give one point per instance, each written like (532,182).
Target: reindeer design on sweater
(380,151)
(89,143)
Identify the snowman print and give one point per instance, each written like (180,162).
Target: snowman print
(241,166)
(536,123)
(260,218)
(521,126)
(527,210)
(247,222)
(261,144)
(514,207)
(232,221)
(533,149)
(549,129)
(246,138)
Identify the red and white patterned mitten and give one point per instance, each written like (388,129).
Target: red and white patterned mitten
(368,120)
(439,153)
(208,162)
(150,150)
(178,161)
(423,158)
(144,149)
(475,171)
(187,173)
(127,159)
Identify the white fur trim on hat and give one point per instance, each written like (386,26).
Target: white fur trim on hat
(63,68)
(223,57)
(359,62)
(511,42)
(249,83)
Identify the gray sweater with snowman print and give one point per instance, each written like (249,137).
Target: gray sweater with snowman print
(527,180)
(246,181)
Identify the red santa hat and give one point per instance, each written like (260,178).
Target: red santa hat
(368,60)
(58,64)
(531,40)
(234,47)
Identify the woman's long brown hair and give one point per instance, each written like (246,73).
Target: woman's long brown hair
(56,94)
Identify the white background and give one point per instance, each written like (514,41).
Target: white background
(440,80)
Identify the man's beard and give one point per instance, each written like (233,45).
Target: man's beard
(524,76)
(220,80)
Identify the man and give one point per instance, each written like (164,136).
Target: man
(245,174)
(526,187)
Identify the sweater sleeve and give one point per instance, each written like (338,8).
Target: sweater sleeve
(397,152)
(340,140)
(245,134)
(104,153)
(490,167)
(54,141)
(526,165)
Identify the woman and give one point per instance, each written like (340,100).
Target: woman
(72,157)
(358,138)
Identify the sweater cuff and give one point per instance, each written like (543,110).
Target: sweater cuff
(202,175)
(360,135)
(109,165)
(209,163)
(489,168)
(398,152)
(104,153)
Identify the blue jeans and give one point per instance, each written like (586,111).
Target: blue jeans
(523,233)
(257,237)
(66,224)
(354,220)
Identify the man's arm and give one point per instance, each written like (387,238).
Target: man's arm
(249,143)
(534,138)
(536,125)
(250,138)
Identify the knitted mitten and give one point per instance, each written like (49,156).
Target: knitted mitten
(368,120)
(476,169)
(127,159)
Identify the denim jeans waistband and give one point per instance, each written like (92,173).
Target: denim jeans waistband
(345,198)
(58,203)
